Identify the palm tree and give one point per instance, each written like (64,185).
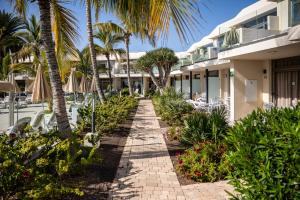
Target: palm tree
(64,31)
(31,37)
(92,47)
(83,62)
(9,26)
(130,27)
(157,15)
(108,41)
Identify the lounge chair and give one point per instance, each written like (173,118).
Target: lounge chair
(19,126)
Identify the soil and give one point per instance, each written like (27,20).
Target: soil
(175,148)
(96,180)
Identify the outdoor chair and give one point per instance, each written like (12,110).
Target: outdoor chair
(19,126)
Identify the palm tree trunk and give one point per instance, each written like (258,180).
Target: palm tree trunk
(128,66)
(55,80)
(109,73)
(92,50)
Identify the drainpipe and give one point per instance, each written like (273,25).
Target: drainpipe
(191,84)
(181,83)
(206,83)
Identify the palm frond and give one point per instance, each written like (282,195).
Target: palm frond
(64,27)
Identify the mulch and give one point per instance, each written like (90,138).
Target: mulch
(96,180)
(175,148)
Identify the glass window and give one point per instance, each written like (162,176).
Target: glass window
(295,12)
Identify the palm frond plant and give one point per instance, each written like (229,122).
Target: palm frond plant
(108,41)
(231,37)
(59,20)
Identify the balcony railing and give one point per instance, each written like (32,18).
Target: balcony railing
(247,36)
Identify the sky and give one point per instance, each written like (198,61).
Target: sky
(214,13)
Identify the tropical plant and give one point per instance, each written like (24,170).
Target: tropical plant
(204,162)
(202,126)
(231,37)
(156,15)
(171,106)
(108,41)
(9,26)
(161,59)
(196,128)
(88,14)
(53,16)
(82,62)
(32,39)
(130,26)
(33,167)
(264,150)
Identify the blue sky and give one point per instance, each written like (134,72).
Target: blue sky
(217,12)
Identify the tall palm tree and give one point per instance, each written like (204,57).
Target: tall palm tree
(63,24)
(130,27)
(91,45)
(108,42)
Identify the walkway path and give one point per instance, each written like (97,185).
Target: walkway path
(146,171)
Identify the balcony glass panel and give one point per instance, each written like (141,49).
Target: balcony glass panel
(295,12)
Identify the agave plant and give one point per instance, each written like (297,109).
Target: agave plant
(231,37)
(196,128)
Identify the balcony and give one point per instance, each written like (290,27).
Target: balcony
(181,63)
(243,36)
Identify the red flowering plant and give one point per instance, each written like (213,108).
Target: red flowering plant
(204,162)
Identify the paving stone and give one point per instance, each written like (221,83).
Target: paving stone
(146,171)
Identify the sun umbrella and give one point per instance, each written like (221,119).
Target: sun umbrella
(84,86)
(72,84)
(6,86)
(41,90)
(30,87)
(294,33)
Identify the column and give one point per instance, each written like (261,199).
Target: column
(206,84)
(191,85)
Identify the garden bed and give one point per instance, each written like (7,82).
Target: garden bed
(174,148)
(96,181)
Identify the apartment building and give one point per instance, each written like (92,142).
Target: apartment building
(249,61)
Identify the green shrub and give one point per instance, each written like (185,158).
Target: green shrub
(174,133)
(113,112)
(202,126)
(124,92)
(34,167)
(204,162)
(108,115)
(196,128)
(265,153)
(171,106)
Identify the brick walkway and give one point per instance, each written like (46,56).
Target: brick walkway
(146,171)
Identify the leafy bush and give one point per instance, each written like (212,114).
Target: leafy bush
(124,92)
(108,115)
(204,162)
(171,106)
(113,112)
(34,167)
(201,126)
(265,153)
(174,133)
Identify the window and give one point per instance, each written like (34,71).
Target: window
(259,22)
(295,12)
